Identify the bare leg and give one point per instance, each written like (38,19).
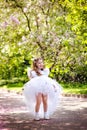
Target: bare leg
(45,105)
(44,99)
(38,102)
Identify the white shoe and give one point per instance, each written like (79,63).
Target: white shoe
(46,116)
(37,118)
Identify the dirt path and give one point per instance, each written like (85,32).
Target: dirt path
(70,115)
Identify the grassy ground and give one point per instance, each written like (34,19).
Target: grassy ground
(14,86)
(73,88)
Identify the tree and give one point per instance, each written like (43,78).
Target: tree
(53,29)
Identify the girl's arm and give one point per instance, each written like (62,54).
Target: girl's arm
(31,74)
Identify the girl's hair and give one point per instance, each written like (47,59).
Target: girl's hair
(35,68)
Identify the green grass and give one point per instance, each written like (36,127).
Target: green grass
(73,88)
(14,86)
(76,91)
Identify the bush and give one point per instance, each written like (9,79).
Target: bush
(13,80)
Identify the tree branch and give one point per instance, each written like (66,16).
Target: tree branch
(28,21)
(55,58)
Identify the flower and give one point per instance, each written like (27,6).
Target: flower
(25,10)
(15,20)
(5,24)
(23,38)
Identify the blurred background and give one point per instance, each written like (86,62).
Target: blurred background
(55,30)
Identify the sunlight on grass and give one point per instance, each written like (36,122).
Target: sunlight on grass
(73,88)
(16,86)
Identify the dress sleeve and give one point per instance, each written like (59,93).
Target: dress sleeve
(31,74)
(46,71)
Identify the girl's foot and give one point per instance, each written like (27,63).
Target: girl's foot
(46,116)
(37,118)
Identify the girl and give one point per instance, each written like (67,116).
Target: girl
(41,92)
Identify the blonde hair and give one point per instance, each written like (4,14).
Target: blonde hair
(35,68)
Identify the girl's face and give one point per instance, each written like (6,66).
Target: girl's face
(40,64)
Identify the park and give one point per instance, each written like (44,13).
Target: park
(54,30)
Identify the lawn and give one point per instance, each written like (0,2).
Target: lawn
(75,88)
(72,88)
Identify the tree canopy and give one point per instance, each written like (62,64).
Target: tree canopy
(52,29)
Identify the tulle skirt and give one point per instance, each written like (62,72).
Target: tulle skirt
(46,86)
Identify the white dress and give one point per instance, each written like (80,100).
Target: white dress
(45,85)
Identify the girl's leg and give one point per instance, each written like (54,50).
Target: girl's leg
(45,105)
(44,99)
(38,102)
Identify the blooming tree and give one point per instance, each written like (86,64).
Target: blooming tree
(54,30)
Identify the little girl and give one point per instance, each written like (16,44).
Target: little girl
(41,92)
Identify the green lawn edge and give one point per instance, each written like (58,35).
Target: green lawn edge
(69,88)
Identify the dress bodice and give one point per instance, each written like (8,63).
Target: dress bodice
(33,74)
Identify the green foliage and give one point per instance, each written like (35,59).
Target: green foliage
(54,30)
(13,81)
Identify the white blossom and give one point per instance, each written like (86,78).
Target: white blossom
(23,38)
(15,20)
(25,9)
(5,24)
